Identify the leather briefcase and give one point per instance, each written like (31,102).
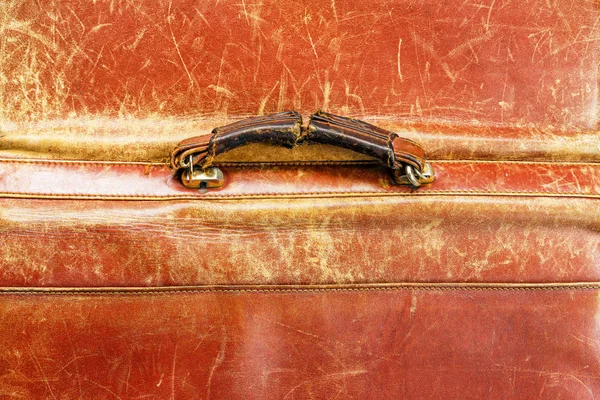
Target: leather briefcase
(294,200)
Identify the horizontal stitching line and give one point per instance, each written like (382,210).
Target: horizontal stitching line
(292,163)
(296,163)
(519,162)
(81,162)
(229,164)
(158,291)
(296,194)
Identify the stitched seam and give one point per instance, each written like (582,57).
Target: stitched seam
(82,162)
(517,162)
(234,164)
(291,163)
(295,194)
(159,291)
(231,164)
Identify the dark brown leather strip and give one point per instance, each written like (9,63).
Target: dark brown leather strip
(285,129)
(365,138)
(351,134)
(282,129)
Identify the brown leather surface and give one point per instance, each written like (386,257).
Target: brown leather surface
(358,344)
(519,63)
(478,222)
(517,242)
(454,238)
(106,180)
(128,80)
(309,279)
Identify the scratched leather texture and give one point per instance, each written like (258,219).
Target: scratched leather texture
(143,76)
(436,60)
(328,282)
(300,345)
(309,274)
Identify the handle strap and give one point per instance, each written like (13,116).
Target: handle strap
(281,129)
(383,145)
(405,157)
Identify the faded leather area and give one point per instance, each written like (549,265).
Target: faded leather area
(139,181)
(127,81)
(153,140)
(492,62)
(103,224)
(296,345)
(74,243)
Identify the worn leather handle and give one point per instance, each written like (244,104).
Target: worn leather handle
(386,146)
(283,129)
(405,157)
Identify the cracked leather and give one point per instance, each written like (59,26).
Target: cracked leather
(309,274)
(282,129)
(286,129)
(364,138)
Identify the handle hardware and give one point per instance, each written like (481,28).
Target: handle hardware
(414,177)
(197,178)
